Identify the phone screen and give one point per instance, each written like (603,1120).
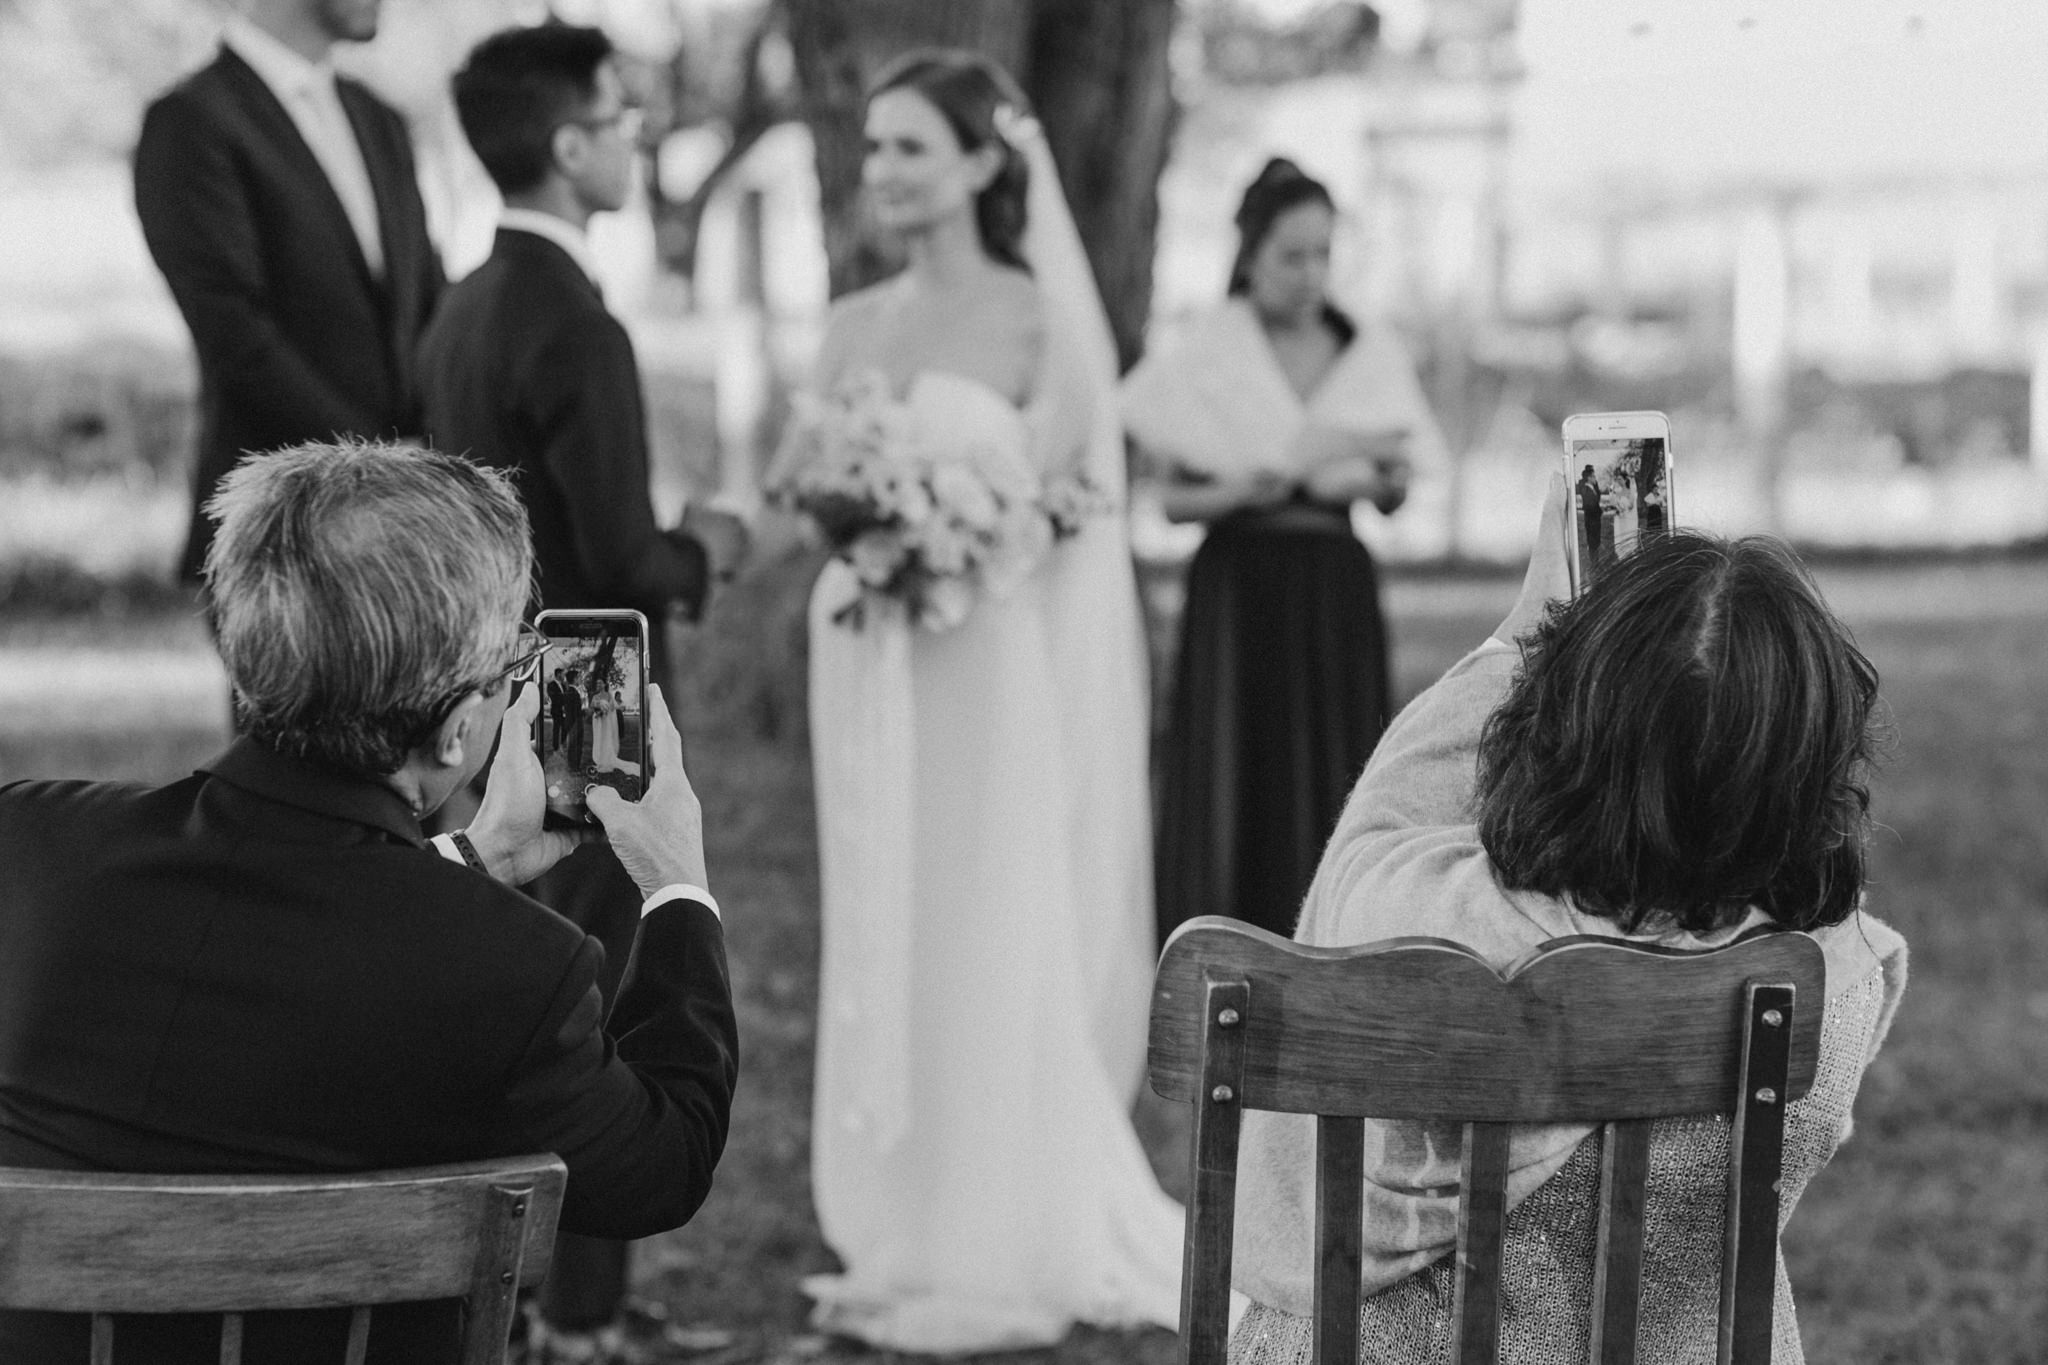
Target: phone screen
(593,682)
(1621,494)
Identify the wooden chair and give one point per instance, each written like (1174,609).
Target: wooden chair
(104,1244)
(1583,1030)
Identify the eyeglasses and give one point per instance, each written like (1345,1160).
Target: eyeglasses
(525,665)
(629,119)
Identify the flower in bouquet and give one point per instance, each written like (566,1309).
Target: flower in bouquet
(965,494)
(879,557)
(943,603)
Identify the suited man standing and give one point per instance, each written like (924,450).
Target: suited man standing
(572,719)
(281,204)
(525,369)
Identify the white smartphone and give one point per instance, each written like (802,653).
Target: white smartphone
(1618,467)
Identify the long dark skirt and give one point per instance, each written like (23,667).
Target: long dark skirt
(1280,694)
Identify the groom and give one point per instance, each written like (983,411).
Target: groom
(525,369)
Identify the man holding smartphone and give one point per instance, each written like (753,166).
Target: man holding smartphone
(524,368)
(265,967)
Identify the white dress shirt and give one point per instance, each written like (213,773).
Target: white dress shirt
(560,231)
(307,92)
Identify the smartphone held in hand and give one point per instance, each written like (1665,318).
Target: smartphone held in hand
(593,718)
(1618,468)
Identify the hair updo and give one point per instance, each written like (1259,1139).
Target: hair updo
(1279,186)
(972,93)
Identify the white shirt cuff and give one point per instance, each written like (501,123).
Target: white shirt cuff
(676,891)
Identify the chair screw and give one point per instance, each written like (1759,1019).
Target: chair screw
(1228,1018)
(1766,1095)
(519,1208)
(505,1278)
(1223,1094)
(1773,1017)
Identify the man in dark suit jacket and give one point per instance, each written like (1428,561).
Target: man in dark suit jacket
(265,968)
(281,204)
(524,368)
(572,721)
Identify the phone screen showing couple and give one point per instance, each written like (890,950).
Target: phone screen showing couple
(1621,494)
(593,732)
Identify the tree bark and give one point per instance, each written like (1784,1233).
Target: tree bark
(1096,74)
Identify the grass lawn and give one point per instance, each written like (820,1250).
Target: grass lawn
(1925,1241)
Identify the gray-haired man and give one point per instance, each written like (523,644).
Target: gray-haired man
(265,967)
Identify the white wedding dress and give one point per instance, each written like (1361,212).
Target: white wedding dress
(985,861)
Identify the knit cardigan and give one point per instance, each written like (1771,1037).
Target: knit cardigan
(1406,859)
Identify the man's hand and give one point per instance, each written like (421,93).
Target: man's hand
(1549,576)
(723,536)
(507,830)
(659,838)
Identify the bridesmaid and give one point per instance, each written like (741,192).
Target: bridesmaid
(1273,415)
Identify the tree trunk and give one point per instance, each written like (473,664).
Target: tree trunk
(1087,67)
(1098,74)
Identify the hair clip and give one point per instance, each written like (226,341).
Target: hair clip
(1015,127)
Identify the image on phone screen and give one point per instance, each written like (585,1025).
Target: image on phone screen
(1621,494)
(591,723)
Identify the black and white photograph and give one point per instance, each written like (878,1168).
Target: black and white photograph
(1043,682)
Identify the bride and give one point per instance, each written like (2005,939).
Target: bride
(982,803)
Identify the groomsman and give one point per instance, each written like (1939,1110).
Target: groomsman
(280,202)
(524,368)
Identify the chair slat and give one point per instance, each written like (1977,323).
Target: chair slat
(1756,1148)
(1427,1030)
(1212,1206)
(102,1339)
(358,1336)
(227,1244)
(1340,1211)
(231,1339)
(1618,1260)
(1482,1224)
(494,1284)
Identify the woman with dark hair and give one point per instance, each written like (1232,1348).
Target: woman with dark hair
(984,830)
(1677,756)
(1273,416)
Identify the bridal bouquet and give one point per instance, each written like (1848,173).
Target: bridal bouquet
(925,525)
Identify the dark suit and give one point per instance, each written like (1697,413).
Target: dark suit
(297,339)
(523,368)
(260,969)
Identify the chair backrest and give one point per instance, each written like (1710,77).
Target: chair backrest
(1582,1030)
(102,1244)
